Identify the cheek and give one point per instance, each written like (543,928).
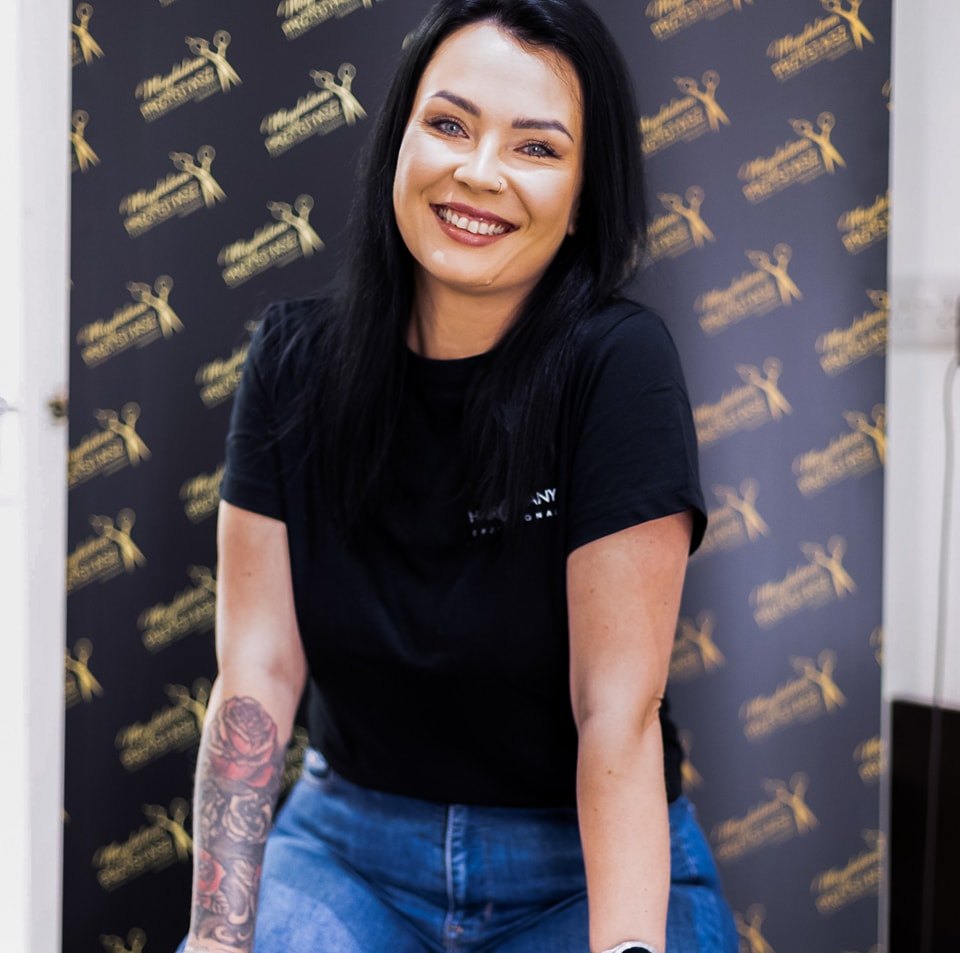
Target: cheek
(554,204)
(400,181)
(419,162)
(413,174)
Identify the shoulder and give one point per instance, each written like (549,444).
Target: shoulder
(626,335)
(285,319)
(286,338)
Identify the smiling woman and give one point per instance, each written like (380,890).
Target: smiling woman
(459,497)
(478,169)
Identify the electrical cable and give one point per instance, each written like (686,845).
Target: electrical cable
(939,672)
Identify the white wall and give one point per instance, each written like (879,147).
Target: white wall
(925,288)
(34,180)
(13,798)
(924,261)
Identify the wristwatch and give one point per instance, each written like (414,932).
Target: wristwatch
(631,946)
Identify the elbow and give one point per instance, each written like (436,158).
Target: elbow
(286,673)
(635,714)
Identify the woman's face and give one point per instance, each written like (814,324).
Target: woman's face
(490,166)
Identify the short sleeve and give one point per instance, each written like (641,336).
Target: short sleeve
(634,454)
(252,472)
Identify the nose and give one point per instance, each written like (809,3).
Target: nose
(480,168)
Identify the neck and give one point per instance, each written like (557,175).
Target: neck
(448,324)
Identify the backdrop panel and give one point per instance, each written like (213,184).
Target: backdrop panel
(213,146)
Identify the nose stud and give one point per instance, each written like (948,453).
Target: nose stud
(502,184)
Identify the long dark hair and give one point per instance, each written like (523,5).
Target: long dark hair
(510,419)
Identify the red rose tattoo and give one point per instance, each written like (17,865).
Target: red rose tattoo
(243,742)
(239,771)
(210,874)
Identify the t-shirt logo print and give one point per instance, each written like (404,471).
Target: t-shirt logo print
(542,505)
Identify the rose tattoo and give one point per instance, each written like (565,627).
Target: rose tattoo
(239,771)
(243,743)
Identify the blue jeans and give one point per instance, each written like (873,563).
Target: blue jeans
(352,870)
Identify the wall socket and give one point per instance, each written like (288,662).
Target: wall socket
(925,313)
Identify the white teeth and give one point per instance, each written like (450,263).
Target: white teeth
(475,226)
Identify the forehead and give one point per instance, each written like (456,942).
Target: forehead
(490,67)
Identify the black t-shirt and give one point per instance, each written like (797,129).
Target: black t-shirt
(439,667)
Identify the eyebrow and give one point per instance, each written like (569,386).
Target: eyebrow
(519,123)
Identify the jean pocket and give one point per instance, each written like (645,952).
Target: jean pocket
(316,770)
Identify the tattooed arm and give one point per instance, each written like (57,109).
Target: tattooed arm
(262,672)
(238,781)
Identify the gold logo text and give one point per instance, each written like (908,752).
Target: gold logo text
(849,455)
(191,610)
(820,580)
(177,194)
(669,17)
(826,38)
(150,317)
(105,451)
(757,402)
(109,553)
(221,377)
(152,847)
(201,495)
(865,337)
(302,15)
(687,118)
(206,72)
(784,816)
(838,887)
(318,113)
(754,293)
(274,245)
(870,757)
(865,226)
(173,728)
(812,694)
(796,162)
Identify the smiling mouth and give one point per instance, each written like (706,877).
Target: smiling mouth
(471,224)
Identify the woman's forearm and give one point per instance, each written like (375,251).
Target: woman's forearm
(239,770)
(624,830)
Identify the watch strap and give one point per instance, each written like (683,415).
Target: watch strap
(631,946)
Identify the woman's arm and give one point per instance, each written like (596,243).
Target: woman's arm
(262,672)
(623,593)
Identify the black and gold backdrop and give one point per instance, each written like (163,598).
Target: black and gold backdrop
(213,146)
